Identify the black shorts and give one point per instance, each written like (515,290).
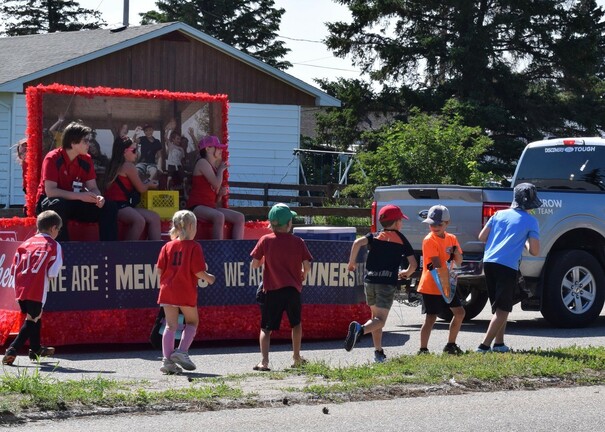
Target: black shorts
(436,304)
(276,303)
(33,308)
(501,282)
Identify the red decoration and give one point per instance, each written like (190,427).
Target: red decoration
(34,97)
(216,323)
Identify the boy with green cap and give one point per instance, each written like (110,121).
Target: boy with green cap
(286,263)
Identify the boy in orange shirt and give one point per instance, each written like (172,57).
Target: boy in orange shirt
(437,248)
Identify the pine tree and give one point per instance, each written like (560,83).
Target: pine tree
(26,17)
(250,26)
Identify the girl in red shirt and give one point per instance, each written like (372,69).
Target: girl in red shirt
(180,264)
(208,195)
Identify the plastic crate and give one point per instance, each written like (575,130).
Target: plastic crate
(326,233)
(164,203)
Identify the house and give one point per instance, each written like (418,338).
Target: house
(264,103)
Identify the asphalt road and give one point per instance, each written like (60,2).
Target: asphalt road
(548,410)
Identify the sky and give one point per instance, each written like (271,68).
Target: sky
(302,28)
(303,19)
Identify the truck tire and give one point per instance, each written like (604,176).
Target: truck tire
(574,289)
(473,299)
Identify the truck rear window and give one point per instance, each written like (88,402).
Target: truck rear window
(563,167)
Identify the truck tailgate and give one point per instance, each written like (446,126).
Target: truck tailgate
(465,204)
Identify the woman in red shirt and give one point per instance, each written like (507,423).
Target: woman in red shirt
(121,179)
(208,191)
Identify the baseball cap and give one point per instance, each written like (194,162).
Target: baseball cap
(390,212)
(280,214)
(525,197)
(211,141)
(437,214)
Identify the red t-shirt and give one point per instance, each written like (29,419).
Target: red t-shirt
(36,260)
(180,261)
(115,193)
(201,193)
(57,167)
(284,254)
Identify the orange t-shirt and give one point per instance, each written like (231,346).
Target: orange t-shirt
(435,246)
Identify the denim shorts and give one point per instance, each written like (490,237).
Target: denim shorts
(380,295)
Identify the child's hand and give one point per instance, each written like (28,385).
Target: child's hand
(210,279)
(402,275)
(352,266)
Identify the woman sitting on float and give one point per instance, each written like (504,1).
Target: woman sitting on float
(122,183)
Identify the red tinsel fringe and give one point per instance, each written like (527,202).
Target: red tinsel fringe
(217,323)
(17,222)
(35,116)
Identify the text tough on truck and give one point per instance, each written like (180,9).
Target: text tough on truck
(566,282)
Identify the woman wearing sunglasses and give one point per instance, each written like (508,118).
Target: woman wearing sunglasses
(124,186)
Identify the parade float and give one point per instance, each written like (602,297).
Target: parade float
(107,291)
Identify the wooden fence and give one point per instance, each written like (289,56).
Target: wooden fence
(309,200)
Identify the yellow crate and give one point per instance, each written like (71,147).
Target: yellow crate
(164,203)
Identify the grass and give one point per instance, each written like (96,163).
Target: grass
(23,389)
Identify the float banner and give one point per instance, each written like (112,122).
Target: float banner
(107,293)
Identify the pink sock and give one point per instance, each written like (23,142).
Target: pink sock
(168,342)
(188,335)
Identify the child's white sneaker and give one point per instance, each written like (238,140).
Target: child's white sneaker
(182,359)
(170,368)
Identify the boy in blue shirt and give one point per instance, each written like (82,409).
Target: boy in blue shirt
(506,234)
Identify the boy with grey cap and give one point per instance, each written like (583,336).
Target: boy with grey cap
(439,247)
(506,234)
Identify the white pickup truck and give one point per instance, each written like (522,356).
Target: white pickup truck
(567,280)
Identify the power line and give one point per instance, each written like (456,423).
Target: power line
(326,67)
(300,40)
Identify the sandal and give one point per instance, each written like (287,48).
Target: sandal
(261,368)
(299,363)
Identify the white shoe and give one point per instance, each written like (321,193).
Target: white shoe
(501,349)
(170,368)
(182,359)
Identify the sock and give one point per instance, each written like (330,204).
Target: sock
(499,344)
(24,334)
(168,342)
(189,333)
(34,337)
(424,350)
(483,347)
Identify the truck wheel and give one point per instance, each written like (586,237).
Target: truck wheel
(473,299)
(574,289)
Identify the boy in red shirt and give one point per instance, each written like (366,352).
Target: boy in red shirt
(286,259)
(68,185)
(37,259)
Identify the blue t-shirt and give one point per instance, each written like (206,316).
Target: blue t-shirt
(509,230)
